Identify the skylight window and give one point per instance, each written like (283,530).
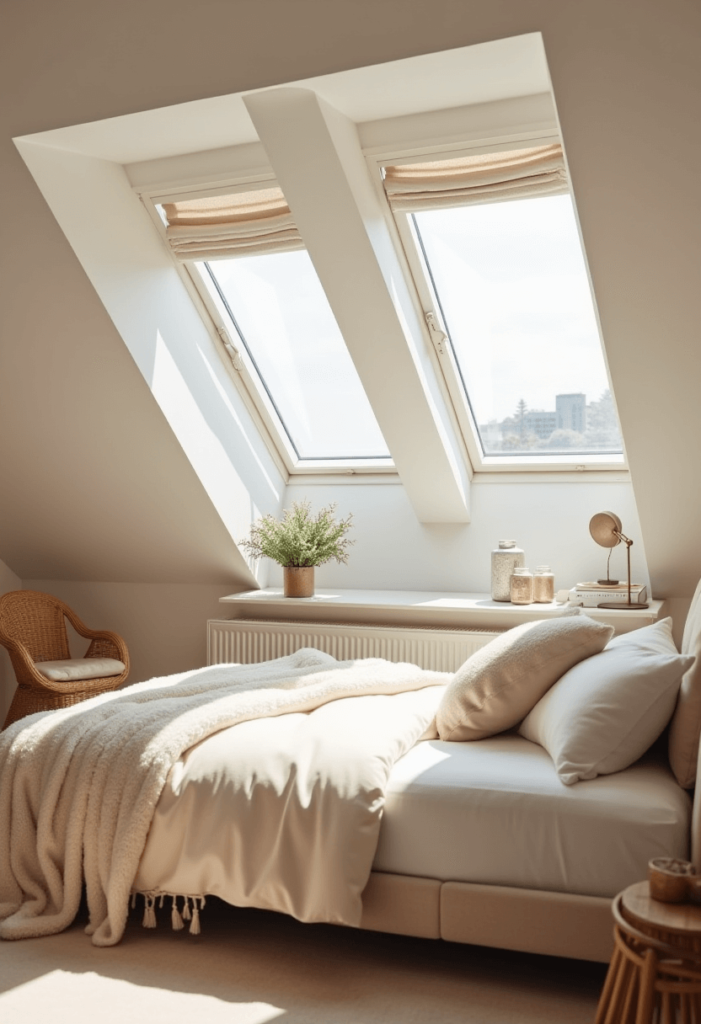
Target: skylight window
(498,268)
(258,280)
(276,305)
(493,242)
(515,301)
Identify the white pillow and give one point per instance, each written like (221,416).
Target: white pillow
(604,713)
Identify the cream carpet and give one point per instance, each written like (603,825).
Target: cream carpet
(251,967)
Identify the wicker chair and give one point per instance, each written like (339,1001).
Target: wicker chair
(33,629)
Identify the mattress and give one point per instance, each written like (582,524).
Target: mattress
(495,812)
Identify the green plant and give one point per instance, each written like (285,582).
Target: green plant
(300,538)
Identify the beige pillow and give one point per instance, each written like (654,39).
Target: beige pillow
(685,728)
(500,683)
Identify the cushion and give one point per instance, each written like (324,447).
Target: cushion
(685,729)
(605,712)
(500,683)
(80,668)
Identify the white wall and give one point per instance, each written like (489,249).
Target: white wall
(8,581)
(126,261)
(393,551)
(95,484)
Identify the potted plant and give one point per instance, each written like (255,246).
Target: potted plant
(299,542)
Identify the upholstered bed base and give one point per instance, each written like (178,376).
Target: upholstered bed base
(528,920)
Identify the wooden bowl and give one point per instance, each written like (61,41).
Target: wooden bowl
(669,879)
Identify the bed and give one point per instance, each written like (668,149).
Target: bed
(476,842)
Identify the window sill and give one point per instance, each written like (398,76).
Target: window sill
(423,609)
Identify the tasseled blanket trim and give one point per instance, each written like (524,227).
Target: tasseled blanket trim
(190,911)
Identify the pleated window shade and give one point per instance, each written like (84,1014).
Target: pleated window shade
(240,224)
(487,178)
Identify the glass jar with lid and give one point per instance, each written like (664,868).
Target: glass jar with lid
(505,559)
(543,585)
(522,586)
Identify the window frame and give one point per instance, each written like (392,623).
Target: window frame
(404,233)
(233,352)
(447,374)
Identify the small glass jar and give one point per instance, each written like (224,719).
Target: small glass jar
(522,586)
(543,585)
(505,559)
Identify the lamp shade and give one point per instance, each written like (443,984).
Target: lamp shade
(605,528)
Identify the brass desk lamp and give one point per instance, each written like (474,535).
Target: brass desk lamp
(606,529)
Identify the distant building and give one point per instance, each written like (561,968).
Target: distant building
(571,412)
(491,436)
(539,422)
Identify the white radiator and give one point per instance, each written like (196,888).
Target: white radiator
(246,641)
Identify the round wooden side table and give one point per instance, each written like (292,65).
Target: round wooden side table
(655,971)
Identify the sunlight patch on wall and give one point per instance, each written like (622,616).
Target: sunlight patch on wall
(199,441)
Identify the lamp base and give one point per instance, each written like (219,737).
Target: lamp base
(623,604)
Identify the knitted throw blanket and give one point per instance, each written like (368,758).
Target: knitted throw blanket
(78,787)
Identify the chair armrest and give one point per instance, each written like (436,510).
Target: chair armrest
(105,644)
(29,675)
(80,627)
(23,664)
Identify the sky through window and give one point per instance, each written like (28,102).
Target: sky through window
(276,303)
(514,292)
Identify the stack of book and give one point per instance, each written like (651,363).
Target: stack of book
(590,595)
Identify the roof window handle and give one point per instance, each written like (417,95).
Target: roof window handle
(438,337)
(231,349)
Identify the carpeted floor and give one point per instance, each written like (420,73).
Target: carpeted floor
(250,967)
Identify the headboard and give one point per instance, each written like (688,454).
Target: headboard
(685,727)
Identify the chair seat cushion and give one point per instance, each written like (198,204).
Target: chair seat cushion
(80,668)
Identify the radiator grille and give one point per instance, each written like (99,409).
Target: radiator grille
(247,641)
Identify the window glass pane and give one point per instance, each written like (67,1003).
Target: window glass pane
(285,322)
(514,293)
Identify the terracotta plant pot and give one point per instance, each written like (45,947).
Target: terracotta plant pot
(299,580)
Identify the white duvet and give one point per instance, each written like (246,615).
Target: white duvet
(79,788)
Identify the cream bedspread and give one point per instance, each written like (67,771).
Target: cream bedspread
(78,787)
(284,813)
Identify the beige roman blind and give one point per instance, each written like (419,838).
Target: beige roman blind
(487,178)
(240,224)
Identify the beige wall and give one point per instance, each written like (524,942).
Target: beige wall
(8,581)
(164,625)
(678,609)
(95,485)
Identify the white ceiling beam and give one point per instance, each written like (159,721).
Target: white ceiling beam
(316,156)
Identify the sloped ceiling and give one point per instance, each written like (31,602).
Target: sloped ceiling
(94,485)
